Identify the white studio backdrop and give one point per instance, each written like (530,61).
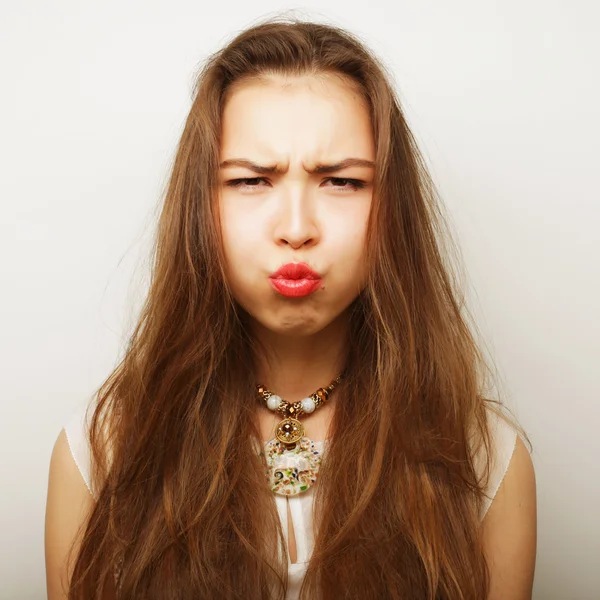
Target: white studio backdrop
(503,97)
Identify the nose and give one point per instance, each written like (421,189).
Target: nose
(296,224)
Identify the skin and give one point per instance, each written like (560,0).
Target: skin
(68,506)
(509,530)
(298,216)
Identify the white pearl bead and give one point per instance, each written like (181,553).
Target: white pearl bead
(308,405)
(273,402)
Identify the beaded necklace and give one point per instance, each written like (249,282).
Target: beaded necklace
(293,459)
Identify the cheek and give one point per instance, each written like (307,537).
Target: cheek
(347,243)
(240,232)
(241,245)
(351,230)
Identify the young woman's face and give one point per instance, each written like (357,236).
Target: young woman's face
(295,216)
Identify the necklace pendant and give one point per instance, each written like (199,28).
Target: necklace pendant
(292,471)
(289,431)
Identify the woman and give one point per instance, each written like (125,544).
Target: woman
(299,412)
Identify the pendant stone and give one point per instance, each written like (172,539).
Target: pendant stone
(292,471)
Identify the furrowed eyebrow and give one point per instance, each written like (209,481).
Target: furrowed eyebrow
(279,170)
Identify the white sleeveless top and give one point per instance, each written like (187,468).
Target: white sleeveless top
(504,439)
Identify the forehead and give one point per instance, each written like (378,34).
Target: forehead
(297,119)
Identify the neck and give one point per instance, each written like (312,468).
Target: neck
(294,367)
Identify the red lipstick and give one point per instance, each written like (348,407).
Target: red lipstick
(295,280)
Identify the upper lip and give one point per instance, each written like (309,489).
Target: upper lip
(295,270)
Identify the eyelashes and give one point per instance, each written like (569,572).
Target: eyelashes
(340,182)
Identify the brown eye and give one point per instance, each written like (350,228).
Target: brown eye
(245,182)
(344,182)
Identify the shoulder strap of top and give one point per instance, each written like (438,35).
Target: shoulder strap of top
(503,439)
(77,432)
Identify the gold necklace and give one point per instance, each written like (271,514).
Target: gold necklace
(290,430)
(293,460)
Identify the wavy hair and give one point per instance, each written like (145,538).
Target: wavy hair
(183,509)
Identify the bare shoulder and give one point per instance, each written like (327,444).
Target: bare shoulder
(510,530)
(68,506)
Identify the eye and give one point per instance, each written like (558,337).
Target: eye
(237,183)
(355,184)
(339,182)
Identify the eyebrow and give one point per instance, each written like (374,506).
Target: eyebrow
(277,169)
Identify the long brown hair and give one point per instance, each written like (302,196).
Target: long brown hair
(183,509)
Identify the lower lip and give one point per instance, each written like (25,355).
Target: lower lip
(295,288)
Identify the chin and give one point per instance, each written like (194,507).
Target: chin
(297,323)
